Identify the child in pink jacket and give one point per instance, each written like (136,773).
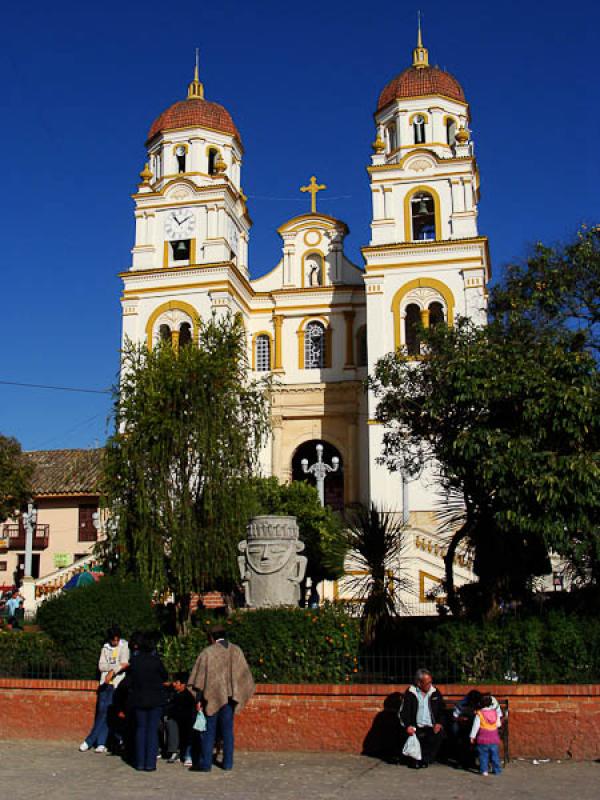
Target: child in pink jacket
(484,733)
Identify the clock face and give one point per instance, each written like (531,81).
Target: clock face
(180,224)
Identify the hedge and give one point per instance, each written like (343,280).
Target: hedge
(284,645)
(554,648)
(30,655)
(77,621)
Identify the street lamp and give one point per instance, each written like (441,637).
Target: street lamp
(29,521)
(320,470)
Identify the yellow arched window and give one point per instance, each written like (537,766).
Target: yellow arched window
(175,319)
(422,220)
(425,301)
(314,343)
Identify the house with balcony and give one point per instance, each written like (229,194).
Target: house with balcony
(66,496)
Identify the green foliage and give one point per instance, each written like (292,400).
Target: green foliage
(321,529)
(375,539)
(15,477)
(511,413)
(77,621)
(281,645)
(556,648)
(30,655)
(557,287)
(189,426)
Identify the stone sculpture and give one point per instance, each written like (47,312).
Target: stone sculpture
(270,565)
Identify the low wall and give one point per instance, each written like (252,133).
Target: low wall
(545,721)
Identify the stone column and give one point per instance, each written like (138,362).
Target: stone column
(276,444)
(349,320)
(277,326)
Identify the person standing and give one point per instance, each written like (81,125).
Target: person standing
(422,713)
(484,733)
(147,676)
(113,661)
(223,684)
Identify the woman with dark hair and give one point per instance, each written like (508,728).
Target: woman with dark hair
(147,675)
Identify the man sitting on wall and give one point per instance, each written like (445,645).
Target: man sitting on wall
(422,713)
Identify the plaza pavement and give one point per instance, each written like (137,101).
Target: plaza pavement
(53,771)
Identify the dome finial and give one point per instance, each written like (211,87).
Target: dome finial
(420,53)
(196,89)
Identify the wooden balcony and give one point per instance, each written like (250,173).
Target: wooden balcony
(15,535)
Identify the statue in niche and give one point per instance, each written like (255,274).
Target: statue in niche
(315,273)
(270,563)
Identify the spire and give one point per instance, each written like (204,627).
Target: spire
(196,88)
(420,53)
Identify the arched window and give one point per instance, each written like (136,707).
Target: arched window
(164,333)
(262,353)
(314,346)
(185,334)
(180,154)
(436,313)
(412,320)
(212,158)
(361,346)
(314,270)
(422,209)
(451,130)
(391,137)
(419,128)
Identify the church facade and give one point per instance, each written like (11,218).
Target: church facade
(317,322)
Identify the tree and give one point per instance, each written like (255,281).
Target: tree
(188,429)
(15,477)
(375,539)
(321,529)
(510,413)
(557,287)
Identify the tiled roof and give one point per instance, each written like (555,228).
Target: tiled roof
(66,471)
(415,82)
(194,112)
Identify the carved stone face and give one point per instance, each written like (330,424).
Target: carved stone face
(265,556)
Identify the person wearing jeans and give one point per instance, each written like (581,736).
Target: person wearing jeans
(484,733)
(148,676)
(112,664)
(223,684)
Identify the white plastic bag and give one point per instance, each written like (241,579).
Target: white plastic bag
(412,748)
(200,723)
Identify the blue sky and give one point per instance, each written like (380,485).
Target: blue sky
(80,84)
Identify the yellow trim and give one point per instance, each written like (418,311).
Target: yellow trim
(417,283)
(308,233)
(300,333)
(416,114)
(254,338)
(167,255)
(172,305)
(277,324)
(408,245)
(408,232)
(192,251)
(180,144)
(422,577)
(174,175)
(233,136)
(451,117)
(312,220)
(314,251)
(428,264)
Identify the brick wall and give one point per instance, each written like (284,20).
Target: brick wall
(545,721)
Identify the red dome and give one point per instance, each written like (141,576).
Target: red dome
(414,82)
(194,113)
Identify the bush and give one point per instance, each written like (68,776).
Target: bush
(30,655)
(553,648)
(282,645)
(77,621)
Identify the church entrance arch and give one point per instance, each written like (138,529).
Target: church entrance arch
(334,482)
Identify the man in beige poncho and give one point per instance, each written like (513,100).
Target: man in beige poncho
(223,684)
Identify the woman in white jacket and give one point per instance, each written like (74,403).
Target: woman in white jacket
(113,661)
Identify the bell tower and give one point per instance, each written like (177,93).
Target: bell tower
(426,262)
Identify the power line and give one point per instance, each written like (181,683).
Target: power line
(55,388)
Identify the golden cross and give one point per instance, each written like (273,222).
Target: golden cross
(313,187)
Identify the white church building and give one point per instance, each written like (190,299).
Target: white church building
(317,322)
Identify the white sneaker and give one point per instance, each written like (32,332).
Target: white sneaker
(100,749)
(187,762)
(83,747)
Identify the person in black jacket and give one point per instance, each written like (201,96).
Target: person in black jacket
(147,678)
(180,715)
(422,713)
